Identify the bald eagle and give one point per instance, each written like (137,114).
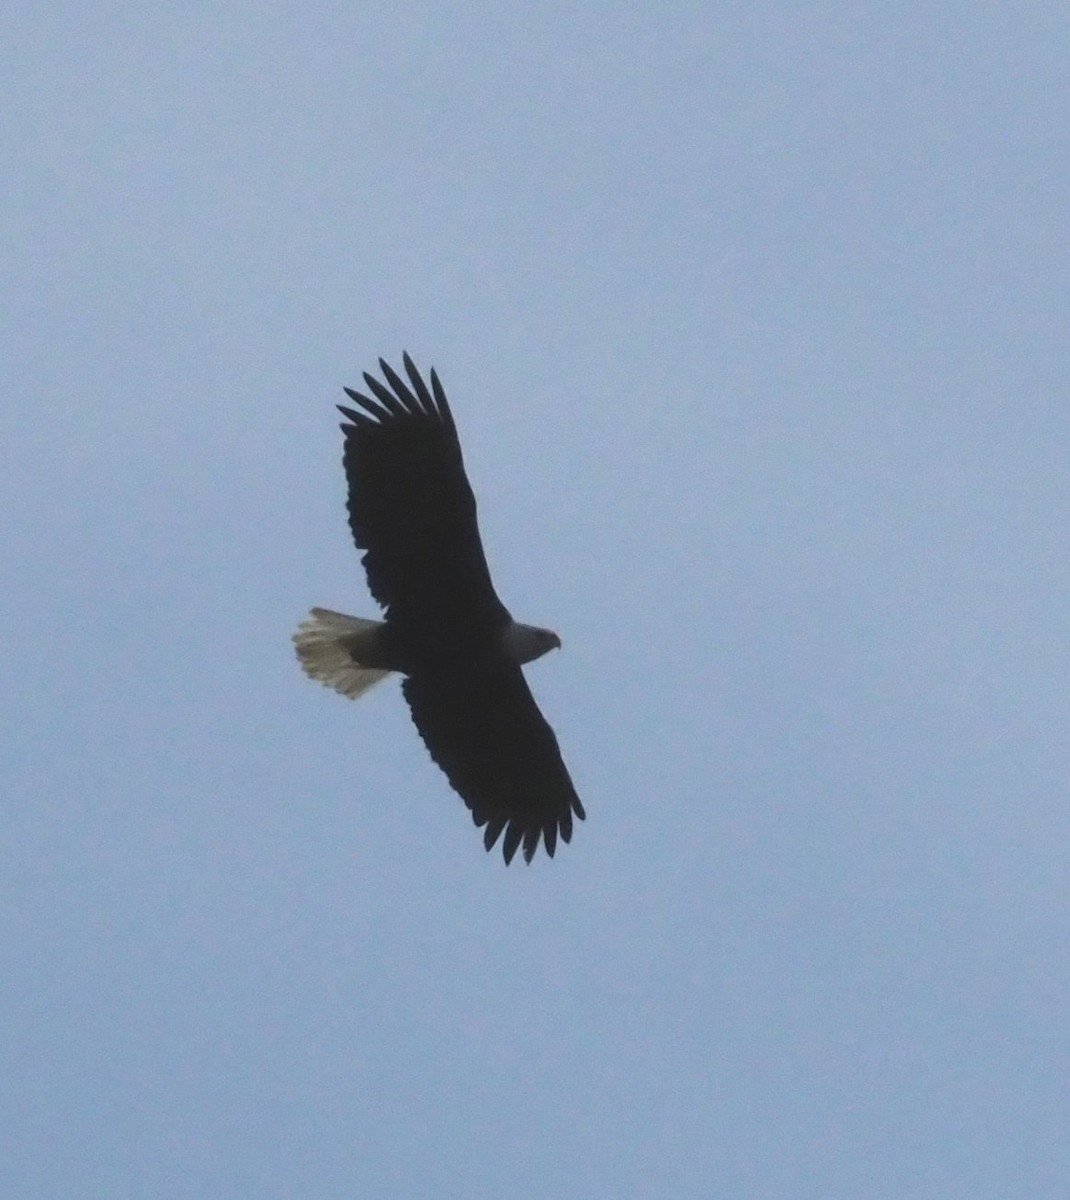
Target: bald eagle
(412,512)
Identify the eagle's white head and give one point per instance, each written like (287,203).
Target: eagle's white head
(525,643)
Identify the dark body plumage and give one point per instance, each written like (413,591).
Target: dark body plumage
(412,511)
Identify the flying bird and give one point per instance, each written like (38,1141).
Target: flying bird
(413,513)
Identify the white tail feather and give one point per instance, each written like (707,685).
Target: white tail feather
(329,644)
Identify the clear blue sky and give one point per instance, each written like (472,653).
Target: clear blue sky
(754,318)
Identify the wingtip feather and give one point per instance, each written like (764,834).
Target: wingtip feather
(441,403)
(395,407)
(512,840)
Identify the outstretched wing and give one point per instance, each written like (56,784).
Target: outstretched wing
(412,510)
(484,729)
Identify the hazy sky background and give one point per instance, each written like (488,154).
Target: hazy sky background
(754,319)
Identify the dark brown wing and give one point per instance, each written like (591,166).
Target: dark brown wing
(484,729)
(412,510)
